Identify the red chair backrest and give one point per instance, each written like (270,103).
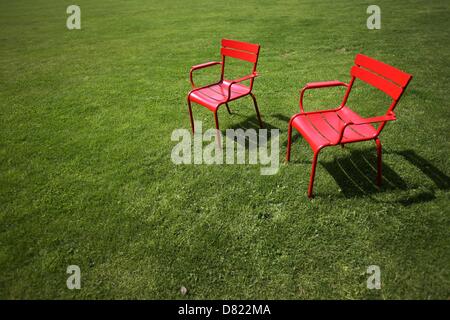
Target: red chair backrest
(384,77)
(240,50)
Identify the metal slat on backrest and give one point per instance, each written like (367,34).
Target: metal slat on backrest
(239,45)
(389,72)
(384,85)
(239,55)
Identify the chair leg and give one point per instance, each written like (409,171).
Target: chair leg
(216,120)
(288,151)
(313,173)
(190,114)
(257,110)
(379,160)
(228,108)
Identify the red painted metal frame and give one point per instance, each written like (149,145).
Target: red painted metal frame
(214,95)
(341,125)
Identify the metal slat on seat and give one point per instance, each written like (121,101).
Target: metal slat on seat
(363,130)
(334,121)
(214,92)
(302,124)
(318,122)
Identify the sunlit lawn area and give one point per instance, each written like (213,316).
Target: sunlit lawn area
(86,176)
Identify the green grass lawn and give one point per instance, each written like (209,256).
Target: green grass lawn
(86,176)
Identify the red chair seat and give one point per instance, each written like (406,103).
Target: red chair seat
(214,95)
(322,129)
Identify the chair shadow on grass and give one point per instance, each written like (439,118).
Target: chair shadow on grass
(250,122)
(440,179)
(356,175)
(295,134)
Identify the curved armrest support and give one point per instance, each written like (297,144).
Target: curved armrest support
(248,77)
(201,66)
(390,116)
(317,85)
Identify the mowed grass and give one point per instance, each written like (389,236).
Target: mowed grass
(86,176)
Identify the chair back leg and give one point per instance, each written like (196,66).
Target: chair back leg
(228,108)
(257,110)
(288,151)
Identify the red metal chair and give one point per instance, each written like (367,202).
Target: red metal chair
(214,95)
(342,125)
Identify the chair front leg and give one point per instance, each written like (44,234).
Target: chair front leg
(257,110)
(288,152)
(313,173)
(190,114)
(216,120)
(379,162)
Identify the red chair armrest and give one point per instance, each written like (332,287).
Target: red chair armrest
(317,85)
(325,84)
(205,65)
(388,117)
(201,66)
(248,77)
